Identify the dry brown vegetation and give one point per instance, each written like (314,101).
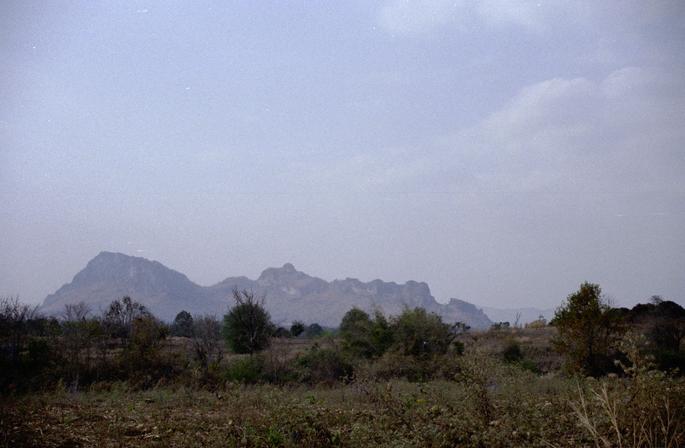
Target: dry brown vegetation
(487,403)
(404,381)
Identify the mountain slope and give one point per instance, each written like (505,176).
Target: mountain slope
(289,294)
(110,276)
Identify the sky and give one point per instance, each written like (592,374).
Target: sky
(504,152)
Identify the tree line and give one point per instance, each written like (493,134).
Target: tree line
(128,343)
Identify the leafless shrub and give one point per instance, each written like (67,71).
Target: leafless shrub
(75,312)
(14,318)
(208,346)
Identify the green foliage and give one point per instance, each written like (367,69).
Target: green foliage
(248,370)
(394,364)
(282,332)
(297,328)
(512,352)
(587,331)
(146,335)
(476,400)
(319,365)
(527,364)
(645,409)
(313,331)
(247,326)
(500,326)
(420,334)
(356,330)
(415,345)
(141,361)
(663,323)
(183,325)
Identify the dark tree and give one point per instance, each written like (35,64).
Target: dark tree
(247,326)
(667,328)
(80,337)
(365,337)
(14,322)
(142,353)
(282,332)
(663,322)
(121,314)
(382,334)
(587,331)
(356,330)
(183,325)
(512,352)
(313,330)
(297,328)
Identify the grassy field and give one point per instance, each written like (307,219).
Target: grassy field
(520,411)
(488,403)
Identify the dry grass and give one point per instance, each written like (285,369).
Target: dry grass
(505,407)
(487,403)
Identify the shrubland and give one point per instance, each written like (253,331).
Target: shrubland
(596,377)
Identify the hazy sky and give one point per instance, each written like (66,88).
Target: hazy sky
(503,152)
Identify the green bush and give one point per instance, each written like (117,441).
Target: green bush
(356,331)
(394,364)
(183,325)
(419,333)
(314,331)
(261,368)
(245,370)
(297,328)
(247,326)
(324,365)
(645,408)
(512,352)
(527,364)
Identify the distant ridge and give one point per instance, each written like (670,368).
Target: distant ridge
(525,315)
(290,294)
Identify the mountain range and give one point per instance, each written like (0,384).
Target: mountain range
(288,293)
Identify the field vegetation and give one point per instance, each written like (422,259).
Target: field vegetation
(596,376)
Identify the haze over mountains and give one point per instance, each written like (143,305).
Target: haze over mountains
(290,294)
(522,315)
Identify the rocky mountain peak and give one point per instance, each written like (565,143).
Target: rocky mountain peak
(289,294)
(284,273)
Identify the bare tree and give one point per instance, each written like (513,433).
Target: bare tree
(81,336)
(208,347)
(120,315)
(517,320)
(14,320)
(75,312)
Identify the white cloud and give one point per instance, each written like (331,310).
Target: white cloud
(419,16)
(620,133)
(404,16)
(528,14)
(387,169)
